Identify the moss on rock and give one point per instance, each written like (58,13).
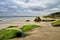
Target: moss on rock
(12,26)
(7,34)
(28,27)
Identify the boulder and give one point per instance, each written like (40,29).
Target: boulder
(37,19)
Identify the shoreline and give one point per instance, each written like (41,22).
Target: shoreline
(46,32)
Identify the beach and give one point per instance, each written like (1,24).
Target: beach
(46,32)
(18,21)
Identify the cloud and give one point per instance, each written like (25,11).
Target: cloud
(37,3)
(29,7)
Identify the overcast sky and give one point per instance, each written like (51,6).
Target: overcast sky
(28,7)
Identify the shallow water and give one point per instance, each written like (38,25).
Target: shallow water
(13,19)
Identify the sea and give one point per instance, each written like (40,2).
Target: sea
(10,19)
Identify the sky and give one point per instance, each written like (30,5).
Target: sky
(28,7)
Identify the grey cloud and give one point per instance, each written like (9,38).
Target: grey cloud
(28,7)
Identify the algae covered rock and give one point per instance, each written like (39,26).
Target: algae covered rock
(29,27)
(12,26)
(7,34)
(56,23)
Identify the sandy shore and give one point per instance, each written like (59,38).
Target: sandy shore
(19,23)
(47,32)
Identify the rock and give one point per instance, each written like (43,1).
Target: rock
(27,20)
(37,19)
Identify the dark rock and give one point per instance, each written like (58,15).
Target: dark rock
(27,20)
(37,19)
